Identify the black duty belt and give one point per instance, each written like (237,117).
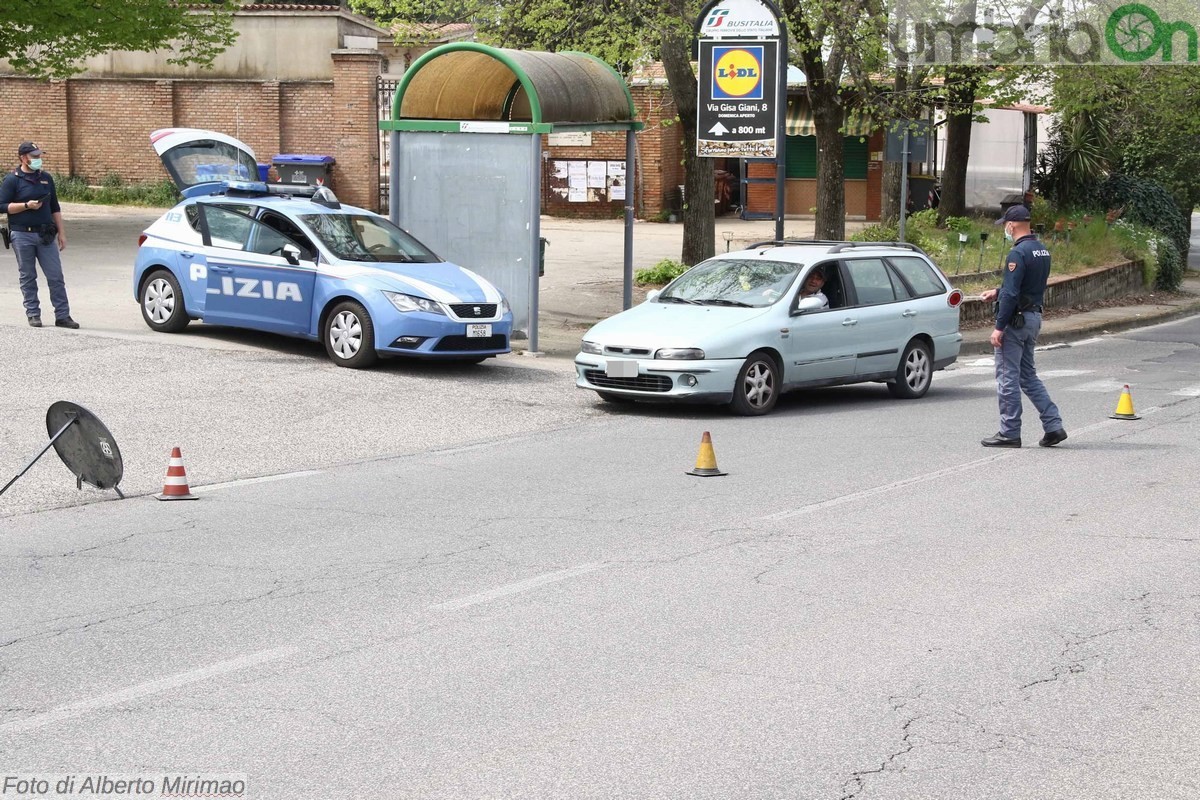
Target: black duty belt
(27,228)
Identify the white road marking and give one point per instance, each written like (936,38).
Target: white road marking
(143,689)
(849,498)
(982,385)
(1088,341)
(1054,346)
(212,487)
(515,588)
(983,362)
(1188,391)
(1064,373)
(1099,386)
(931,476)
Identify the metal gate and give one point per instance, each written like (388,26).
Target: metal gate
(385,89)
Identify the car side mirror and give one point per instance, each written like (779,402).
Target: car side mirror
(807,304)
(291,254)
(652,295)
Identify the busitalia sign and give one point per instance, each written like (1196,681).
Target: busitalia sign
(738,108)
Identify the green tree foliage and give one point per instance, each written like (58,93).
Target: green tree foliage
(624,33)
(1149,112)
(49,39)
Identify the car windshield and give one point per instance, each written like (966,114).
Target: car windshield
(361,237)
(744,282)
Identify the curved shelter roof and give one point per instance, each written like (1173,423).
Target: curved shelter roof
(465,81)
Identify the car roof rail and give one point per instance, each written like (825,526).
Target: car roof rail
(784,242)
(841,246)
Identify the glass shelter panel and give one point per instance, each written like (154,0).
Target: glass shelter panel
(471,198)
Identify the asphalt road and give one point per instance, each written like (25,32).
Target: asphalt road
(484,584)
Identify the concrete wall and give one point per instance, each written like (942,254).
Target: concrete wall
(1066,291)
(284,45)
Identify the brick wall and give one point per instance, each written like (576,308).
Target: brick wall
(354,123)
(35,111)
(658,159)
(91,127)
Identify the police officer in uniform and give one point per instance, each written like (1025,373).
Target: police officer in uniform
(27,195)
(1018,322)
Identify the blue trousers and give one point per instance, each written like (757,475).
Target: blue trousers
(30,252)
(1015,374)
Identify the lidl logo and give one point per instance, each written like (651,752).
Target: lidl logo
(737,73)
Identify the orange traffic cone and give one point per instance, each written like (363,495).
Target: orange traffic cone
(175,486)
(1125,406)
(706,460)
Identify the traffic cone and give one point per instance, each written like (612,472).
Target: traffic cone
(175,486)
(1125,406)
(706,460)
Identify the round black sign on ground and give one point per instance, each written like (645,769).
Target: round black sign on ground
(86,446)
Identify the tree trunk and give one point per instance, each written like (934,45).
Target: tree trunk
(699,212)
(960,99)
(893,170)
(831,181)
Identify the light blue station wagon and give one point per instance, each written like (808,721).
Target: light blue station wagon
(735,329)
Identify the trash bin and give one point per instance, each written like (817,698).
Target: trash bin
(263,170)
(303,169)
(919,187)
(542,242)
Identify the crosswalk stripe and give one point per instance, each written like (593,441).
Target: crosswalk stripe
(1187,391)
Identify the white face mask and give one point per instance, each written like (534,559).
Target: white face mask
(35,163)
(1008,237)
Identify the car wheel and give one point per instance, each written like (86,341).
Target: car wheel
(617,399)
(758,386)
(162,303)
(350,336)
(915,372)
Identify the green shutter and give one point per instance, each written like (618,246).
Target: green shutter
(802,157)
(854,157)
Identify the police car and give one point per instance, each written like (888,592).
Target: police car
(295,261)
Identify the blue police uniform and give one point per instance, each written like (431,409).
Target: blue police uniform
(34,239)
(1026,270)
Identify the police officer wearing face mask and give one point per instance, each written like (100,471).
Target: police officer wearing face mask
(27,195)
(1018,322)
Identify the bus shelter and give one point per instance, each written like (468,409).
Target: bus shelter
(466,167)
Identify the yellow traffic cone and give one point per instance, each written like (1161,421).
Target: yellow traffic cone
(706,460)
(1125,406)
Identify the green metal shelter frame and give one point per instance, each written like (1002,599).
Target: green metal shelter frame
(466,87)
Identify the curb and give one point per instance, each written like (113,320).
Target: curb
(1088,330)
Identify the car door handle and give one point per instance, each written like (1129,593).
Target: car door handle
(849,322)
(186,254)
(909,313)
(216,268)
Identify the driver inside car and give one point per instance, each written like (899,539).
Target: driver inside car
(812,287)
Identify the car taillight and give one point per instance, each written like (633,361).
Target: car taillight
(142,239)
(954,299)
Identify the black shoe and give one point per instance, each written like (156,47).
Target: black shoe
(1000,440)
(35,322)
(1053,437)
(66,322)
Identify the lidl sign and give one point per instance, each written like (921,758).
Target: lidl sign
(737,73)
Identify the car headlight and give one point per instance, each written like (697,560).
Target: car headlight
(504,306)
(680,353)
(409,302)
(591,347)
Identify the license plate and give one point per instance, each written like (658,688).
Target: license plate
(621,369)
(476,331)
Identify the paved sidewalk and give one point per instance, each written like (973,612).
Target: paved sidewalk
(583,281)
